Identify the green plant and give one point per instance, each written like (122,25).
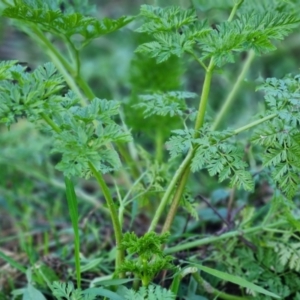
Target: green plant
(149,260)
(152,292)
(88,133)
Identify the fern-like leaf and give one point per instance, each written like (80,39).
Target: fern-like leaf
(174,31)
(165,19)
(289,255)
(67,25)
(150,293)
(250,31)
(180,142)
(280,137)
(170,103)
(62,291)
(220,157)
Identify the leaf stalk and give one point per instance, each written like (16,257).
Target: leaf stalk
(186,171)
(232,95)
(227,235)
(113,213)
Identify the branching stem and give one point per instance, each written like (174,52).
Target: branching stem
(186,171)
(60,62)
(169,190)
(198,60)
(105,190)
(72,78)
(204,96)
(182,174)
(231,96)
(230,234)
(49,121)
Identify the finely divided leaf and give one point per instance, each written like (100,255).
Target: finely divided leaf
(222,158)
(180,142)
(281,137)
(66,25)
(162,104)
(174,31)
(81,134)
(250,31)
(165,19)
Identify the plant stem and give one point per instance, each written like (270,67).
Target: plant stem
(231,97)
(49,121)
(85,87)
(254,123)
(66,70)
(107,196)
(72,78)
(183,174)
(213,239)
(183,171)
(113,213)
(159,146)
(204,97)
(234,10)
(198,60)
(72,206)
(169,191)
(175,201)
(186,171)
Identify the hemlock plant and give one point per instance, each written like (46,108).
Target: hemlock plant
(91,135)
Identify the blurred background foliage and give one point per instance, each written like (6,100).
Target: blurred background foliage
(32,201)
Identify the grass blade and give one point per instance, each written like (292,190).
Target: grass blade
(12,262)
(237,280)
(73,211)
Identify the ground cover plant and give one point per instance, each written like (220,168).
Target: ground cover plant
(144,156)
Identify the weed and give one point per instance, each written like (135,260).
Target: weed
(96,139)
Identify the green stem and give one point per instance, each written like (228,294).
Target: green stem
(234,10)
(71,76)
(49,121)
(60,62)
(175,201)
(125,154)
(186,171)
(198,60)
(204,96)
(85,87)
(107,196)
(231,234)
(231,97)
(113,213)
(183,172)
(254,123)
(198,124)
(159,146)
(73,53)
(169,190)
